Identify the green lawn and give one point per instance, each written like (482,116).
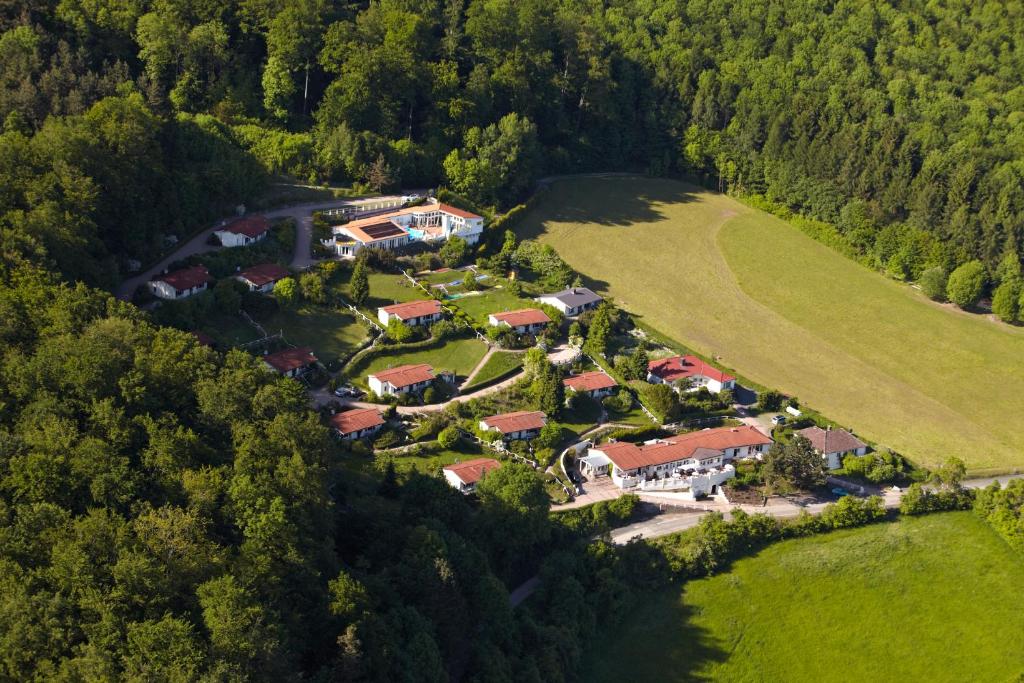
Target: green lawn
(385,289)
(457,355)
(331,333)
(935,598)
(787,312)
(491,299)
(230,330)
(500,363)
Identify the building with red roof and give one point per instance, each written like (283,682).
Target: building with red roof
(243,231)
(522,321)
(700,374)
(263,277)
(521,425)
(181,283)
(833,444)
(291,362)
(675,461)
(464,476)
(403,379)
(358,423)
(391,229)
(412,313)
(596,384)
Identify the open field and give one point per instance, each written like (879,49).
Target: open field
(458,355)
(933,598)
(491,299)
(230,330)
(331,333)
(787,312)
(498,365)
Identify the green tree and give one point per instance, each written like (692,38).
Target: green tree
(359,284)
(454,253)
(398,331)
(966,284)
(1006,300)
(496,164)
(448,437)
(287,291)
(312,287)
(796,463)
(599,332)
(933,283)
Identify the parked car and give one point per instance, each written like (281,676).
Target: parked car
(347,391)
(779,420)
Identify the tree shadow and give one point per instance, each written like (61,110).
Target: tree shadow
(575,203)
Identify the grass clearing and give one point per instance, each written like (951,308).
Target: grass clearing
(458,355)
(230,330)
(932,598)
(787,312)
(500,363)
(331,333)
(491,299)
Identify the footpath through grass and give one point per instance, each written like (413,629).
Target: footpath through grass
(458,355)
(500,364)
(787,312)
(935,598)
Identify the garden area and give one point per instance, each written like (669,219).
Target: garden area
(458,355)
(332,333)
(500,365)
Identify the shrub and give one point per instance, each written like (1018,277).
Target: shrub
(1006,300)
(933,283)
(966,284)
(769,400)
(851,511)
(621,401)
(918,500)
(448,437)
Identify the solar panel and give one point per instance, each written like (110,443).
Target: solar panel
(381,230)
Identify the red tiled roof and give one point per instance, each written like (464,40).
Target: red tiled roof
(679,367)
(186,278)
(250,226)
(472,471)
(356,420)
(629,456)
(831,440)
(290,359)
(516,422)
(264,273)
(413,309)
(456,211)
(405,375)
(590,381)
(524,316)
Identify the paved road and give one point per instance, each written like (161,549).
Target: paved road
(301,213)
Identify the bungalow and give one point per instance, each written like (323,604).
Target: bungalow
(464,476)
(523,321)
(263,277)
(291,362)
(520,425)
(243,232)
(572,301)
(403,379)
(698,461)
(834,444)
(394,229)
(358,423)
(671,370)
(595,384)
(376,233)
(181,283)
(412,313)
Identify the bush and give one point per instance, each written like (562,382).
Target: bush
(620,402)
(851,511)
(448,437)
(918,500)
(966,284)
(769,400)
(1006,300)
(933,283)
(387,438)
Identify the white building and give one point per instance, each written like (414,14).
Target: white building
(181,283)
(520,425)
(263,277)
(523,321)
(464,476)
(429,222)
(834,444)
(243,232)
(358,423)
(404,379)
(573,301)
(596,384)
(412,313)
(291,362)
(697,462)
(700,374)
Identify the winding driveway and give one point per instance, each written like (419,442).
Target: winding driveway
(301,213)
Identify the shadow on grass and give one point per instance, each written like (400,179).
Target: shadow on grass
(658,642)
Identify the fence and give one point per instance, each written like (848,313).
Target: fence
(364,209)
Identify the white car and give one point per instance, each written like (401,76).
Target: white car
(779,420)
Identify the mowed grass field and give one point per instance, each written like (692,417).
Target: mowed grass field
(331,333)
(787,312)
(457,355)
(933,598)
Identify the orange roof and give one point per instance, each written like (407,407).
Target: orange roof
(630,456)
(186,278)
(472,471)
(524,316)
(590,381)
(264,273)
(405,375)
(290,359)
(515,422)
(679,367)
(413,309)
(455,211)
(356,420)
(422,208)
(250,226)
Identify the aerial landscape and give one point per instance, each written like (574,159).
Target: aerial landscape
(511,340)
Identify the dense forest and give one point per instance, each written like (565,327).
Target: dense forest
(900,123)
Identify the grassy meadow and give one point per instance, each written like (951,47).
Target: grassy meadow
(500,364)
(784,311)
(458,355)
(331,333)
(933,598)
